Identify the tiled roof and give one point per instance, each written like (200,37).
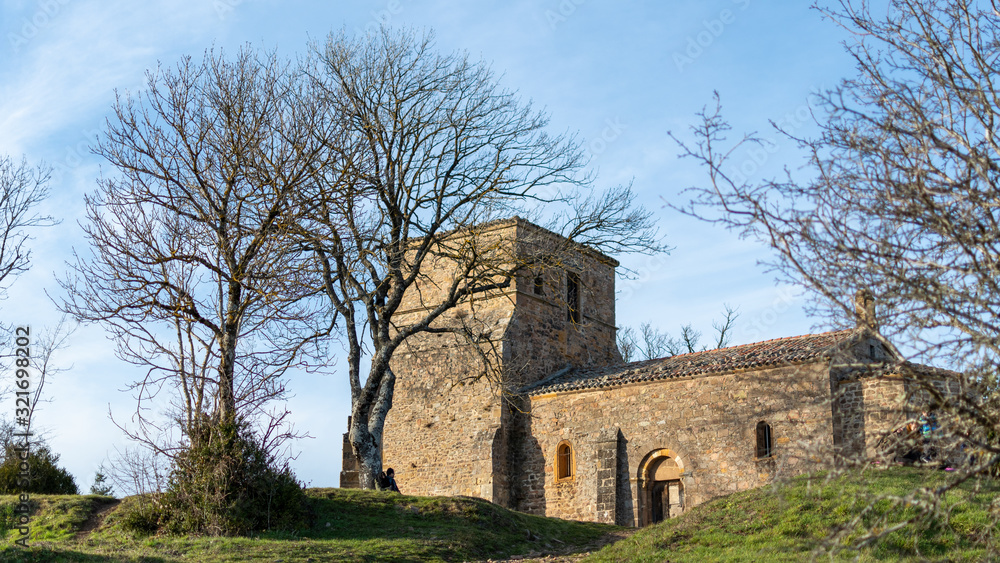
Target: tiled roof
(791,350)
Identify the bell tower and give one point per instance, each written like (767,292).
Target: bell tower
(450,427)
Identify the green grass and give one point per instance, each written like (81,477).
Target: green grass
(349,525)
(794,521)
(54,517)
(789,522)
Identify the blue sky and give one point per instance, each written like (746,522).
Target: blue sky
(622,74)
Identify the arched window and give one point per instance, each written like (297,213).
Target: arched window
(539,285)
(573,297)
(564,461)
(765,447)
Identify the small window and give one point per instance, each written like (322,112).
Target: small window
(572,297)
(564,461)
(765,447)
(539,285)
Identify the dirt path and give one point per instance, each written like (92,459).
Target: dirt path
(95,520)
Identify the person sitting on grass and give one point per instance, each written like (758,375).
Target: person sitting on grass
(386,481)
(392,479)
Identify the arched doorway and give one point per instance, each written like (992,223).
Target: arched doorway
(661,490)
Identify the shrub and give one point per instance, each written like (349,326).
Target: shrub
(227,483)
(46,477)
(143,514)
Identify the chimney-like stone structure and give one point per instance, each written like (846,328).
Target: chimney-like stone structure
(864,309)
(350,477)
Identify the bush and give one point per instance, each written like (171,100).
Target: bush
(46,477)
(226,483)
(143,514)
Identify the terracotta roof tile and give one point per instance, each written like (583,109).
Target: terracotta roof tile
(794,349)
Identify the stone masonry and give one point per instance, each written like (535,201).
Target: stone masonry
(639,442)
(449,430)
(714,446)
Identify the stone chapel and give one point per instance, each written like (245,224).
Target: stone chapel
(574,432)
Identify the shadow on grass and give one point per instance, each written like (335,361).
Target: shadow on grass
(347,525)
(440,524)
(33,554)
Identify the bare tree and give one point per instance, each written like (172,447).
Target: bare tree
(689,339)
(724,328)
(22,188)
(45,346)
(430,149)
(628,345)
(651,343)
(190,269)
(24,435)
(139,471)
(901,198)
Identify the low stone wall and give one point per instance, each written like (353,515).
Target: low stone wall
(349,476)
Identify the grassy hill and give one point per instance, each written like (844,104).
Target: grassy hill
(789,522)
(349,525)
(792,522)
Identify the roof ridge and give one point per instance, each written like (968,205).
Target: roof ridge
(753,355)
(829,332)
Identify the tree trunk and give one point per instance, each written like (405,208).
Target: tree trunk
(226,406)
(367,425)
(366,451)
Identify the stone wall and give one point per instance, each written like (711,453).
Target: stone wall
(449,431)
(439,435)
(350,478)
(848,416)
(706,424)
(541,339)
(869,407)
(886,408)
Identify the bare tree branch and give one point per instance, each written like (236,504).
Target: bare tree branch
(190,267)
(900,199)
(22,188)
(651,343)
(426,153)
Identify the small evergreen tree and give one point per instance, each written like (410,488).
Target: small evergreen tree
(101,485)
